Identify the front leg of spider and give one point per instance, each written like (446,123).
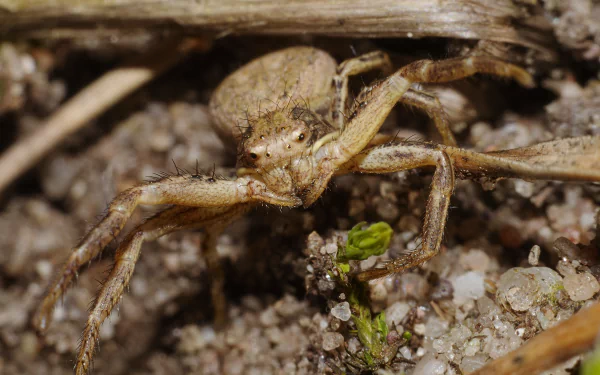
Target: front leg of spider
(352,67)
(366,120)
(553,160)
(404,156)
(380,60)
(213,220)
(184,190)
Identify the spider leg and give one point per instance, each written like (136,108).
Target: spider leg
(184,190)
(461,67)
(405,156)
(172,219)
(569,159)
(213,263)
(366,120)
(426,102)
(351,67)
(432,106)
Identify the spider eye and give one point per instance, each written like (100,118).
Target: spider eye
(268,154)
(253,155)
(301,137)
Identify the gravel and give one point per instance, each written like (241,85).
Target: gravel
(481,297)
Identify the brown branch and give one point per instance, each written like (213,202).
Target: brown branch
(550,348)
(491,20)
(89,103)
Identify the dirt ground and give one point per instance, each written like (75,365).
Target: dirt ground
(286,313)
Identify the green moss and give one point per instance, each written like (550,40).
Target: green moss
(372,333)
(552,296)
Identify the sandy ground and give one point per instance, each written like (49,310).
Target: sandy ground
(286,313)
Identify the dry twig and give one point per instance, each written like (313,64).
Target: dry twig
(89,103)
(550,348)
(488,20)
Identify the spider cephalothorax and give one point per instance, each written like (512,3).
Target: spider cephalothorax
(278,137)
(288,153)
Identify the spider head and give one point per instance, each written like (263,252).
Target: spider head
(278,137)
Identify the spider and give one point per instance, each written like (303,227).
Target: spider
(295,137)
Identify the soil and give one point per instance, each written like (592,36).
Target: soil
(278,288)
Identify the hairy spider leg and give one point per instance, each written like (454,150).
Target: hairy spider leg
(431,105)
(567,159)
(408,156)
(380,60)
(425,102)
(365,122)
(357,65)
(551,160)
(177,218)
(184,190)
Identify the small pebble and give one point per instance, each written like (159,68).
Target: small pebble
(486,306)
(414,285)
(268,317)
(330,248)
(387,209)
(405,352)
(581,286)
(420,329)
(520,332)
(475,260)
(435,326)
(534,255)
(396,312)
(521,288)
(443,290)
(44,269)
(470,364)
(161,140)
(342,311)
(442,346)
(194,339)
(353,345)
(378,293)
(564,267)
(472,347)
(29,344)
(524,188)
(430,365)
(468,286)
(332,340)
(368,263)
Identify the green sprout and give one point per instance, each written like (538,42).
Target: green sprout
(591,364)
(344,267)
(363,243)
(372,333)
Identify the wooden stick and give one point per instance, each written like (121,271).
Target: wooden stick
(89,103)
(550,348)
(491,20)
